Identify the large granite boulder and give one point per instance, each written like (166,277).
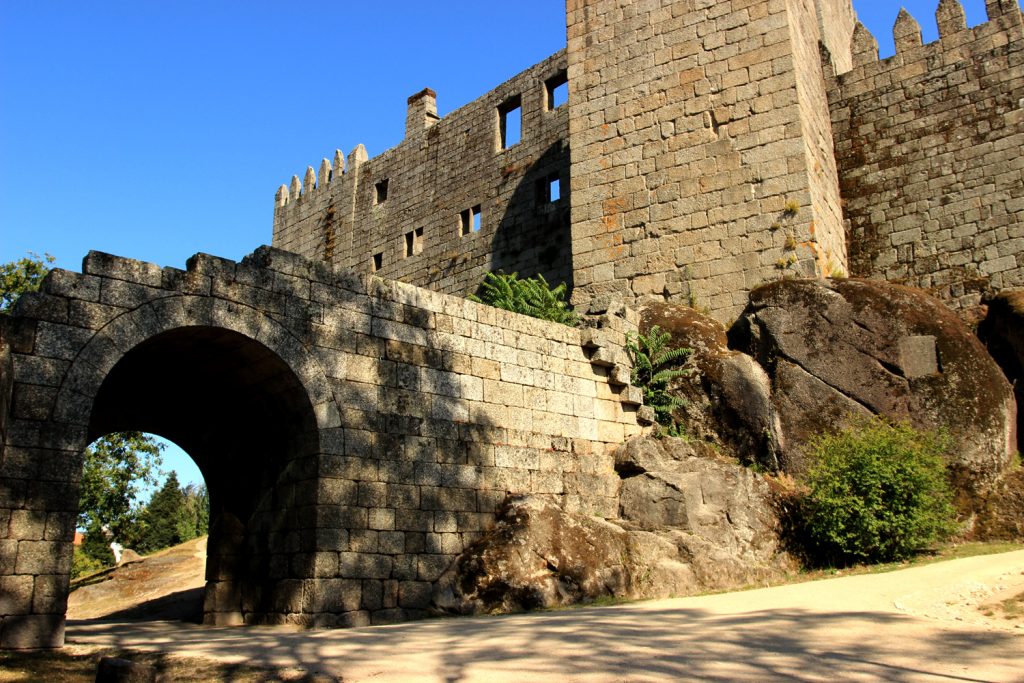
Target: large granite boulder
(1002,333)
(1002,513)
(720,515)
(840,348)
(690,521)
(728,395)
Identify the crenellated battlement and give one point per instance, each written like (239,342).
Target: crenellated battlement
(705,148)
(928,145)
(458,197)
(317,181)
(956,41)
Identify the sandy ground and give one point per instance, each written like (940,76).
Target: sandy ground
(926,623)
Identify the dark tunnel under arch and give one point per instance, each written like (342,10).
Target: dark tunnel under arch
(243,416)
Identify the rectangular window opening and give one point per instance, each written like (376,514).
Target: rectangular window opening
(471,220)
(558,90)
(381,192)
(378,262)
(554,188)
(510,117)
(549,189)
(414,242)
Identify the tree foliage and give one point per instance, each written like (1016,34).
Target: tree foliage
(876,492)
(22,276)
(655,365)
(117,467)
(173,515)
(162,516)
(533,297)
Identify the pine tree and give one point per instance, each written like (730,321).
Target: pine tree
(162,518)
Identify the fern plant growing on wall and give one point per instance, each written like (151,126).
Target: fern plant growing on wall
(531,296)
(655,365)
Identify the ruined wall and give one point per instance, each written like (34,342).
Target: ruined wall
(356,434)
(928,144)
(402,214)
(688,141)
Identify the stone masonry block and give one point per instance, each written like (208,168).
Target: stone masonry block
(24,632)
(16,594)
(119,268)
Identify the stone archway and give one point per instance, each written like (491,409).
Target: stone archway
(244,417)
(233,387)
(356,434)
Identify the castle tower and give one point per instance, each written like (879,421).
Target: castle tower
(701,143)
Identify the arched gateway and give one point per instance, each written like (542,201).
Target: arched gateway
(355,434)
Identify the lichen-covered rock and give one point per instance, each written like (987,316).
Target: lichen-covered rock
(728,395)
(1002,514)
(688,486)
(539,556)
(1002,333)
(690,521)
(840,347)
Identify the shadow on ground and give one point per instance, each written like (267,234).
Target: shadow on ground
(630,642)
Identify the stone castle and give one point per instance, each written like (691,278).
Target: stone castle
(358,422)
(705,147)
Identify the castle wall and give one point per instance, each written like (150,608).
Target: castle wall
(836,21)
(407,416)
(928,144)
(688,142)
(826,235)
(442,170)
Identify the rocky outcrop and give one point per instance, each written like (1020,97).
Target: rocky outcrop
(1002,513)
(690,521)
(728,395)
(1002,333)
(836,348)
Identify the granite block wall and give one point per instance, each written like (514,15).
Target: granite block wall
(928,144)
(356,434)
(455,200)
(699,144)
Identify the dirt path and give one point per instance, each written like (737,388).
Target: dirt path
(918,624)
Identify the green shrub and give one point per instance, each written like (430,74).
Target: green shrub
(876,492)
(83,564)
(652,371)
(533,297)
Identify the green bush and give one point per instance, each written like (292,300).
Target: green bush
(83,565)
(533,297)
(876,492)
(653,370)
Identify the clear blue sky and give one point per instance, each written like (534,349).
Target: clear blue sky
(157,130)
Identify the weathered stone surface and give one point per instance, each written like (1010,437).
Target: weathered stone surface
(932,194)
(1002,513)
(672,483)
(728,395)
(1002,333)
(356,443)
(537,556)
(689,521)
(842,347)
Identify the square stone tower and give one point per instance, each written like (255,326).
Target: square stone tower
(701,146)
